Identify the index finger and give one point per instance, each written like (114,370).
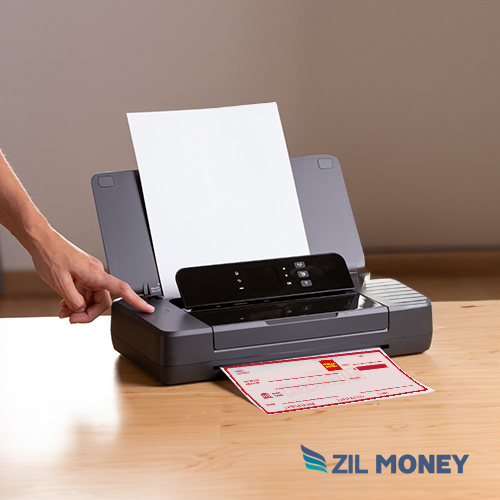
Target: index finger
(122,289)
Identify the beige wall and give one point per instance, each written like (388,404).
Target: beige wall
(404,93)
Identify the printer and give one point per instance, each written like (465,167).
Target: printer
(299,306)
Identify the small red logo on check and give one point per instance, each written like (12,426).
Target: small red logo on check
(330,365)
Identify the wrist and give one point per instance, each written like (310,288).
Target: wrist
(35,234)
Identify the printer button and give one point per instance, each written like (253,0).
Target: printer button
(306,283)
(325,163)
(303,274)
(106,181)
(300,264)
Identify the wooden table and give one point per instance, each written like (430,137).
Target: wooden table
(77,421)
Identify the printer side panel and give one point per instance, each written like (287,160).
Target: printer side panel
(124,230)
(410,315)
(169,344)
(326,210)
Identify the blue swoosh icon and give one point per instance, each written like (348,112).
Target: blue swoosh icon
(313,460)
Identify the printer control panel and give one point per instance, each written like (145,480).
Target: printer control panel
(262,280)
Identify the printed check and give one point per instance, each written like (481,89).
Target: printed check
(319,381)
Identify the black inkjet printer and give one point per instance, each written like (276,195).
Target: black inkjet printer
(246,312)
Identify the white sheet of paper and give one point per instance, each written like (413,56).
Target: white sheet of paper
(218,187)
(319,381)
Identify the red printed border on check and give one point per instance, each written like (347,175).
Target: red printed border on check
(320,381)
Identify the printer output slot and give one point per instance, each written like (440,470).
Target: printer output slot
(384,347)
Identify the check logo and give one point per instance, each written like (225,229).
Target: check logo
(313,460)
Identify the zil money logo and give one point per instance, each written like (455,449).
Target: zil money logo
(407,464)
(313,460)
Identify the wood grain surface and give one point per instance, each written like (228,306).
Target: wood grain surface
(77,421)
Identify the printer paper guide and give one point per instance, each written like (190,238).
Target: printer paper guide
(218,187)
(321,381)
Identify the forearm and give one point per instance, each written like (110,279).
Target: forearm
(77,276)
(17,211)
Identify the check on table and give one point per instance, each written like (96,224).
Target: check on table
(326,380)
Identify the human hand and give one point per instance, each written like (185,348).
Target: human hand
(79,278)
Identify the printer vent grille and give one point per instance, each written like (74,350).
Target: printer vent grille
(394,292)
